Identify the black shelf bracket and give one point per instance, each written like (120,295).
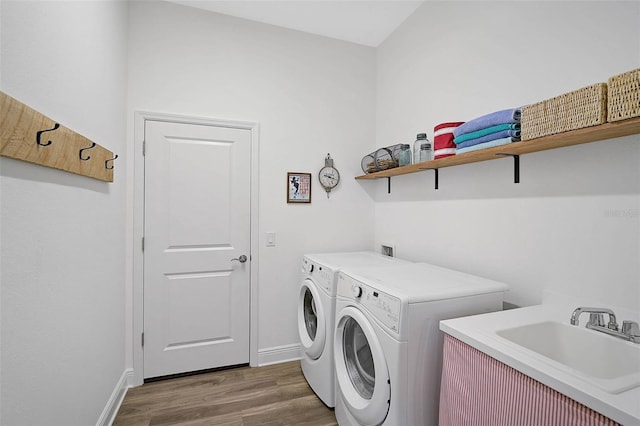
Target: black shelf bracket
(436,175)
(516,165)
(388,184)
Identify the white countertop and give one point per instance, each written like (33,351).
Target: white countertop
(480,332)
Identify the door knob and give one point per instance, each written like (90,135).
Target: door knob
(240,259)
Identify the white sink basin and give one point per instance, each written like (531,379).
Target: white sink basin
(608,362)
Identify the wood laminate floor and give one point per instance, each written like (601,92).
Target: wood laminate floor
(274,395)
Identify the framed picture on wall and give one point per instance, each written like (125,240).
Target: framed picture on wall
(298,187)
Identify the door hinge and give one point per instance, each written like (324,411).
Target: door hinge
(144,148)
(142,243)
(143,339)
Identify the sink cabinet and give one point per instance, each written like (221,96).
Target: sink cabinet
(477,389)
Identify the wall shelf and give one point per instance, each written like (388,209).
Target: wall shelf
(575,137)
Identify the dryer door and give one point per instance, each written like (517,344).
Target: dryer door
(361,368)
(311,320)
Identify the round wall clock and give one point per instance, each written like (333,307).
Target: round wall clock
(329,176)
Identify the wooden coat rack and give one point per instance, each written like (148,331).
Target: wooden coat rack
(33,137)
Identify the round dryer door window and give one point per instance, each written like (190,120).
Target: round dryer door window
(311,320)
(361,367)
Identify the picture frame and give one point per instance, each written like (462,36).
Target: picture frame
(298,187)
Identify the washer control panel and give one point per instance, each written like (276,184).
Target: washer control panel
(384,307)
(321,275)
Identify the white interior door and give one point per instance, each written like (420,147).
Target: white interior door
(196,221)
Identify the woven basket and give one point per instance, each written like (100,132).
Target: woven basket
(574,110)
(624,96)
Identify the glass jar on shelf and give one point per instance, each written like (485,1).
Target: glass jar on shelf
(404,157)
(421,138)
(426,154)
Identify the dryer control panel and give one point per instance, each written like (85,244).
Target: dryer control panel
(384,307)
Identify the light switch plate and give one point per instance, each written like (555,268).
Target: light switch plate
(271,239)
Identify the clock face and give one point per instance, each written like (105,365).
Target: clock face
(329,177)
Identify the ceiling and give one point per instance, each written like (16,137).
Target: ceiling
(367,22)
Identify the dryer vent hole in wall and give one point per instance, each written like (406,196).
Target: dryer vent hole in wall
(387,250)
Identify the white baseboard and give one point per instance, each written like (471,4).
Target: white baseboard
(117,396)
(278,354)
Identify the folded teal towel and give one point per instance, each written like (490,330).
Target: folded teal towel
(491,136)
(498,117)
(486,131)
(490,144)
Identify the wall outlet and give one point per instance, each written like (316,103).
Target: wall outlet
(387,250)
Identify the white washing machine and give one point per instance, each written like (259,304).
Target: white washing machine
(388,346)
(316,314)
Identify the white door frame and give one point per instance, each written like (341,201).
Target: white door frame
(138,229)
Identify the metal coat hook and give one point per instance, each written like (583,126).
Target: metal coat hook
(106,163)
(39,134)
(93,144)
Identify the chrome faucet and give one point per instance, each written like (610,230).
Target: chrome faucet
(596,317)
(630,330)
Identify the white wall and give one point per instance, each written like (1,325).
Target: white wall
(63,349)
(311,95)
(572,224)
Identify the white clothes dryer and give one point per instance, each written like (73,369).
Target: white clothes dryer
(387,343)
(316,314)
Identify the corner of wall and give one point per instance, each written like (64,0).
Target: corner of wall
(115,400)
